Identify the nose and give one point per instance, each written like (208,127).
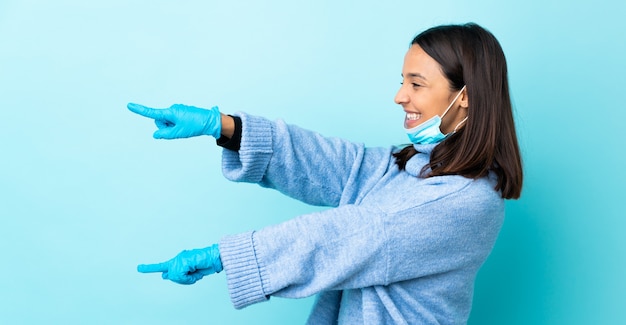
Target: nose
(401,97)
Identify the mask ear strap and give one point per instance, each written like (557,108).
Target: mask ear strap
(453,101)
(465,119)
(457,126)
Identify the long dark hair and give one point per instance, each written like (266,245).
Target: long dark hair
(470,55)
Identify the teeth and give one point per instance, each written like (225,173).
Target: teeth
(413,116)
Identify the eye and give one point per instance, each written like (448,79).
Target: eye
(413,84)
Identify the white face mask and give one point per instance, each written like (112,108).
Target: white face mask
(429,131)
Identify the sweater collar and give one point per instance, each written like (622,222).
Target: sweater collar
(425,148)
(416,163)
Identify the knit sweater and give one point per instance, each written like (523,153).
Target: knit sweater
(394,248)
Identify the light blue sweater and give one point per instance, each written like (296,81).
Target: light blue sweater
(394,249)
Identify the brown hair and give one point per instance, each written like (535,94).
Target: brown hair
(470,55)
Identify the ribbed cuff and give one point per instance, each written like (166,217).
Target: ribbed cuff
(244,274)
(250,162)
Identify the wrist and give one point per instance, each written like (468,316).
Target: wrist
(228,125)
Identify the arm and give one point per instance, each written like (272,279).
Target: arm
(297,162)
(303,164)
(361,246)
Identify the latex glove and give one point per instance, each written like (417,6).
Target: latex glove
(182,121)
(189,266)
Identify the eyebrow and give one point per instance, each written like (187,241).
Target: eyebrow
(414,75)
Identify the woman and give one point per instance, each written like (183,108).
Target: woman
(409,228)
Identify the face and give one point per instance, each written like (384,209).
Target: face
(425,92)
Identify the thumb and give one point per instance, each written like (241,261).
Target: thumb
(167,133)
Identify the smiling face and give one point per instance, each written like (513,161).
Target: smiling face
(425,92)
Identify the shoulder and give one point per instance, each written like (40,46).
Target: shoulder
(412,194)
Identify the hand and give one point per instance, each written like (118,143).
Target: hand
(189,266)
(182,121)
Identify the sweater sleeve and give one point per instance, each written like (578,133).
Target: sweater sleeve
(357,246)
(302,164)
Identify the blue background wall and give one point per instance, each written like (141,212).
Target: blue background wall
(86,194)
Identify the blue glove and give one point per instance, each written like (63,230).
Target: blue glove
(182,121)
(189,266)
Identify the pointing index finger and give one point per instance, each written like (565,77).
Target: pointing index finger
(151,268)
(147,111)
